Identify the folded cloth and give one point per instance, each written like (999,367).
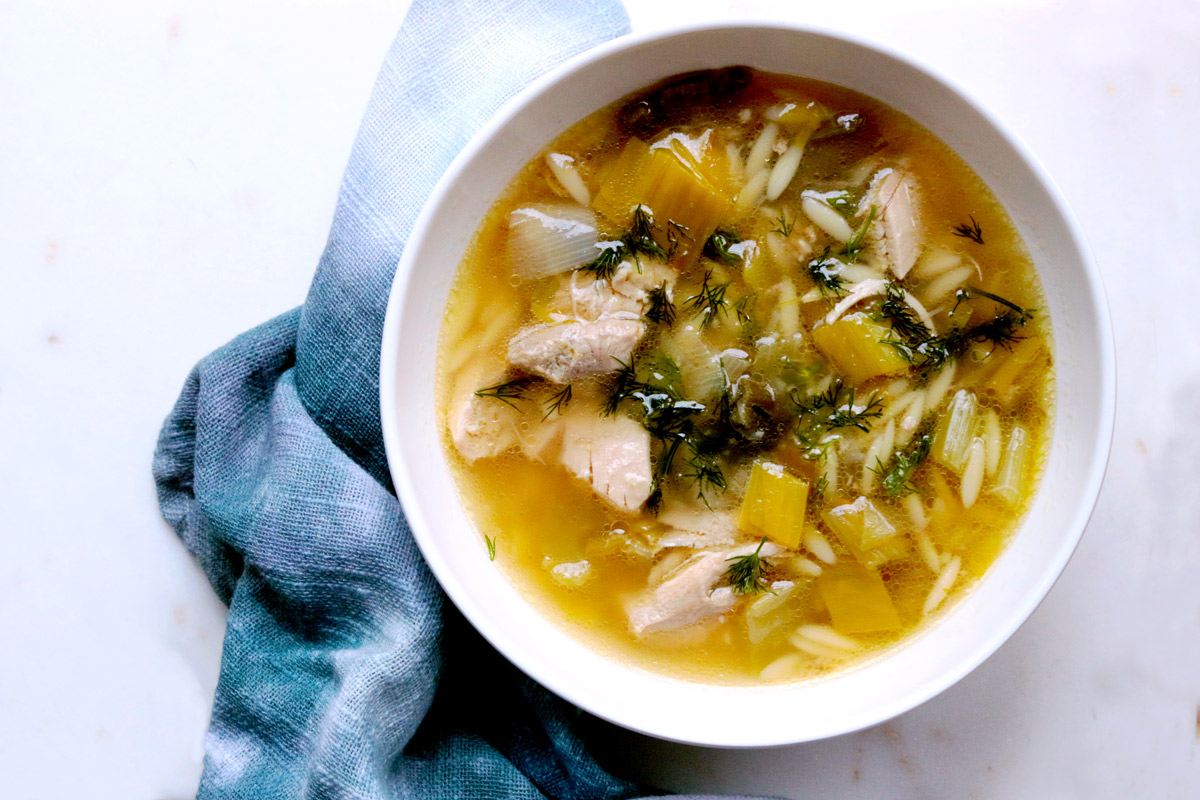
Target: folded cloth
(345,674)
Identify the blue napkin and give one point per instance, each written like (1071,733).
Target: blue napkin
(345,673)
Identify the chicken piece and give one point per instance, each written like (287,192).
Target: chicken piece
(611,453)
(481,427)
(563,351)
(894,195)
(696,527)
(689,593)
(626,294)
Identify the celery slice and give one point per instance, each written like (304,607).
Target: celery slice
(865,532)
(1012,470)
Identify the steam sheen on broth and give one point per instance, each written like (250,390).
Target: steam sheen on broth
(745,378)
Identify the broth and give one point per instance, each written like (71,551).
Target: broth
(746,378)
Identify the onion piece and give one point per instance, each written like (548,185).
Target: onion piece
(549,239)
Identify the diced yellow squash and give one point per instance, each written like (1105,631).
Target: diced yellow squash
(774,505)
(866,532)
(857,599)
(956,429)
(800,117)
(619,183)
(855,345)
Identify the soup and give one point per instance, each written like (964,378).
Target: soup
(746,378)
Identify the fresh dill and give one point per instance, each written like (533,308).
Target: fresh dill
(826,274)
(900,314)
(604,265)
(746,573)
(507,391)
(705,472)
(855,244)
(660,309)
(558,402)
(709,301)
(972,231)
(743,307)
(717,247)
(491,546)
(837,407)
(970,292)
(896,475)
(840,200)
(640,239)
(785,226)
(677,233)
(622,384)
(820,487)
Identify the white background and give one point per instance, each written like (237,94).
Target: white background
(168,172)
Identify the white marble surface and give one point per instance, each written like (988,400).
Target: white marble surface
(168,171)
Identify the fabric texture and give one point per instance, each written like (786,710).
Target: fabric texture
(345,674)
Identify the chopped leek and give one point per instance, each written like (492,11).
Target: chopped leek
(955,431)
(774,505)
(855,343)
(865,532)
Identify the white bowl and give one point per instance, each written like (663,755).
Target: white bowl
(682,710)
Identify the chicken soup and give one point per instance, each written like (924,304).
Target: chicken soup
(746,378)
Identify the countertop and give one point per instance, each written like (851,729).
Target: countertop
(168,172)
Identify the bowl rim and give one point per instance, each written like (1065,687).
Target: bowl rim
(1100,450)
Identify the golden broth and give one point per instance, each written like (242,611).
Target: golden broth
(582,558)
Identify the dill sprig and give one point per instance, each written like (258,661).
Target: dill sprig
(717,247)
(840,200)
(491,546)
(709,301)
(677,233)
(660,309)
(826,274)
(837,407)
(746,573)
(507,391)
(603,266)
(640,239)
(969,292)
(705,472)
(743,306)
(855,244)
(623,383)
(972,231)
(785,227)
(896,475)
(899,313)
(558,402)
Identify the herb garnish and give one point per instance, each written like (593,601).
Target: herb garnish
(836,408)
(785,227)
(717,247)
(855,244)
(558,402)
(676,233)
(709,300)
(507,391)
(972,231)
(491,546)
(745,573)
(826,273)
(896,475)
(660,309)
(604,265)
(705,471)
(900,314)
(640,239)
